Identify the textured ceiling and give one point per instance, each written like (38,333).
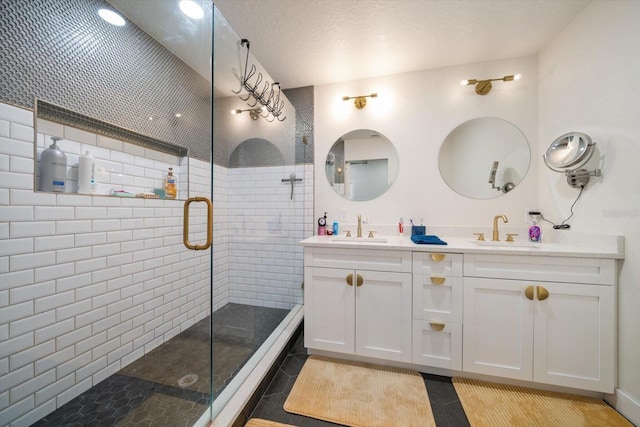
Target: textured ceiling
(312,42)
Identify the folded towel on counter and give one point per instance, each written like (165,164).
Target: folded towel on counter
(427,240)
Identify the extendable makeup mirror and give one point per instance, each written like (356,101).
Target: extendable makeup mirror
(568,154)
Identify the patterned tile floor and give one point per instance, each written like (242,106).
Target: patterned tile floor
(170,386)
(446,407)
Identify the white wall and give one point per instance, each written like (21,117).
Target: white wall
(88,284)
(416,111)
(589,83)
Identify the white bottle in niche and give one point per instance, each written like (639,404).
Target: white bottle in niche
(53,168)
(86,174)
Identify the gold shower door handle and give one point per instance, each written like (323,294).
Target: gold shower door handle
(543,293)
(185,224)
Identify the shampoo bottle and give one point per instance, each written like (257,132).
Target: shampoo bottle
(170,185)
(86,174)
(53,168)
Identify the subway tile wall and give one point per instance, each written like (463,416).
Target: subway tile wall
(84,279)
(265,225)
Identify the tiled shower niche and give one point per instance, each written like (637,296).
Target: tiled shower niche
(120,165)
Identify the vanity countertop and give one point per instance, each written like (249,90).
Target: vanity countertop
(594,247)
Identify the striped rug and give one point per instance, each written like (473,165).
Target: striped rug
(360,394)
(495,405)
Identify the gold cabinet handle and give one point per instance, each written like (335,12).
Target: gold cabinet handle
(359,280)
(350,279)
(510,237)
(529,292)
(543,293)
(437,326)
(437,257)
(185,224)
(437,280)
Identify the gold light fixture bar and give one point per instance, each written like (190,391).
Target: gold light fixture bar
(360,101)
(483,87)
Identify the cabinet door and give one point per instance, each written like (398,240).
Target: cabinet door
(574,336)
(329,309)
(497,328)
(383,315)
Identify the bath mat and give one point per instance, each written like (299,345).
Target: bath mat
(360,394)
(259,422)
(495,405)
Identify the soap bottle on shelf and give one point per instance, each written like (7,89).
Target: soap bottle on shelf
(170,185)
(86,174)
(53,168)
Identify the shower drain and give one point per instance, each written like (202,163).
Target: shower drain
(187,380)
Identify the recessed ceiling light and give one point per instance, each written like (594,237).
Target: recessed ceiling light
(191,9)
(111,17)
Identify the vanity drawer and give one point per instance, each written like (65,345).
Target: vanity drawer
(437,264)
(437,345)
(543,268)
(359,259)
(437,298)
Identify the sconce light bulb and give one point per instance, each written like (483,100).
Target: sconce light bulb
(374,95)
(517,76)
(236,111)
(345,98)
(464,82)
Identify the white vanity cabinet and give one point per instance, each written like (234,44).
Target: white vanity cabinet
(437,310)
(358,301)
(544,319)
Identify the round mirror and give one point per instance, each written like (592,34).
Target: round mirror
(484,158)
(361,165)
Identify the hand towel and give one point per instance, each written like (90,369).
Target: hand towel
(427,240)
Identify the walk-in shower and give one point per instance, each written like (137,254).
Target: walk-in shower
(106,318)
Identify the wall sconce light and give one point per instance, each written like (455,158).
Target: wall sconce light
(361,100)
(483,87)
(254,113)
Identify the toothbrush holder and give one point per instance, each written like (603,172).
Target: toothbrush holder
(418,230)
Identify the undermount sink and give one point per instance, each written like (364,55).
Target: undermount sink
(505,244)
(359,239)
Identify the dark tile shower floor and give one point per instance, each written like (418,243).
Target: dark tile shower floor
(170,386)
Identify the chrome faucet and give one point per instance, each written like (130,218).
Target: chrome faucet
(496,233)
(359,225)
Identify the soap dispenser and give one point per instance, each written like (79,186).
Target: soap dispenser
(322,225)
(53,168)
(535,234)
